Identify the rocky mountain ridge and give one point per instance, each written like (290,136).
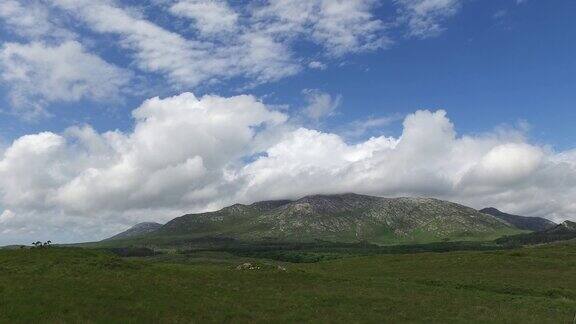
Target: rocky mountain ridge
(340,218)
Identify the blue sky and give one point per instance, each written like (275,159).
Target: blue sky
(497,62)
(480,89)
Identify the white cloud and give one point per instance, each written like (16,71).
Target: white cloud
(209,16)
(360,128)
(37,74)
(424,18)
(320,104)
(340,26)
(185,62)
(27,170)
(254,42)
(189,154)
(505,165)
(177,157)
(31,19)
(429,159)
(6,216)
(317,65)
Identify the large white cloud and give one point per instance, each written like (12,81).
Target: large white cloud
(189,154)
(179,156)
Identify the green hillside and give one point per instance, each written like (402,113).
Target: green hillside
(337,218)
(73,285)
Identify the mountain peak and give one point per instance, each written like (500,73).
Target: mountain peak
(345,217)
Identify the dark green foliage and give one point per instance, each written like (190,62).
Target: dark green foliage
(133,252)
(535,238)
(40,245)
(562,232)
(320,251)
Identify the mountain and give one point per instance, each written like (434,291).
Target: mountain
(136,230)
(340,218)
(534,224)
(561,232)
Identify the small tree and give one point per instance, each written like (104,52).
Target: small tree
(39,244)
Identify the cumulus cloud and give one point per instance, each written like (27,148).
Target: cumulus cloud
(189,154)
(38,73)
(428,159)
(179,156)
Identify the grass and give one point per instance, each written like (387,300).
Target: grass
(74,285)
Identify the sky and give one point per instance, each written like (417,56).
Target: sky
(117,112)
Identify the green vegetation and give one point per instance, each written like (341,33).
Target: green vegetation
(535,238)
(363,284)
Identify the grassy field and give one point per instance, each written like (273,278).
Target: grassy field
(74,285)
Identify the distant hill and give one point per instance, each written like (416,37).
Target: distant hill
(566,227)
(336,218)
(136,231)
(535,224)
(561,232)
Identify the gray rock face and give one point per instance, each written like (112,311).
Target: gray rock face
(535,224)
(343,218)
(137,230)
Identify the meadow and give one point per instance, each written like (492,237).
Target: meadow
(78,285)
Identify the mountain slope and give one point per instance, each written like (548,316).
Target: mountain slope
(136,231)
(341,218)
(535,224)
(561,232)
(567,227)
